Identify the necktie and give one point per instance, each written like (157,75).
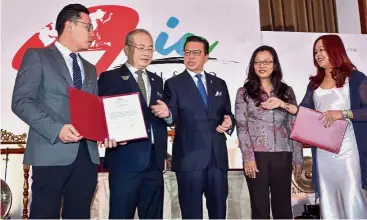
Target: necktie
(141,84)
(201,89)
(77,74)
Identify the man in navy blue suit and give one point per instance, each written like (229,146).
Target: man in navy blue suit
(200,108)
(135,169)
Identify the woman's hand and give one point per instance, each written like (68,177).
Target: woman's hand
(331,116)
(273,103)
(250,169)
(297,170)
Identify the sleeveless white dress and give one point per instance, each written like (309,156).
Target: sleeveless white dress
(341,193)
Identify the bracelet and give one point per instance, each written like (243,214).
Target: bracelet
(349,114)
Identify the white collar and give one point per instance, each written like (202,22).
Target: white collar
(133,69)
(64,50)
(192,74)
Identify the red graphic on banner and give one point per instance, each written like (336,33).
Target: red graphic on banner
(111,22)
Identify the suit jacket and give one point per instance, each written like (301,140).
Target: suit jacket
(41,100)
(195,126)
(135,155)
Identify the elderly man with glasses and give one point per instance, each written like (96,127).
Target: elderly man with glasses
(135,169)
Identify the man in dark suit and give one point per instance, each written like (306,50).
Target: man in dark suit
(200,108)
(135,169)
(64,164)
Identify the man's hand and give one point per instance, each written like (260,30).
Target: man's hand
(69,134)
(227,124)
(160,109)
(109,143)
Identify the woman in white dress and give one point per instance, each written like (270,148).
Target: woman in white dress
(339,91)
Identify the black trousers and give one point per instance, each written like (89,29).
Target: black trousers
(143,191)
(275,174)
(212,182)
(70,187)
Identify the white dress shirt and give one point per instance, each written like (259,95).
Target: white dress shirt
(65,52)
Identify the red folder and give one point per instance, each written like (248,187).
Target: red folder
(87,114)
(310,130)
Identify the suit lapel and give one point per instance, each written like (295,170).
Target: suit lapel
(87,74)
(210,85)
(59,59)
(153,88)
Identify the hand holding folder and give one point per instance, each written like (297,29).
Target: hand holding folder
(309,129)
(118,118)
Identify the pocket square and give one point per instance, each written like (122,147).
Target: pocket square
(218,93)
(159,94)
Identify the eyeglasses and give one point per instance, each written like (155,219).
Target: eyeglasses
(265,62)
(88,25)
(194,52)
(142,49)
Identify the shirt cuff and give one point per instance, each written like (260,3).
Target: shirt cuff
(169,119)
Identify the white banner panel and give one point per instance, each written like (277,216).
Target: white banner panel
(232,29)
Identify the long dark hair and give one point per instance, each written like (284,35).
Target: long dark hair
(342,66)
(253,85)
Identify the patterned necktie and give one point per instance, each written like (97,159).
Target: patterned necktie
(77,73)
(141,84)
(201,89)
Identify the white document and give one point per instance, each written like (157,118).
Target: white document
(124,118)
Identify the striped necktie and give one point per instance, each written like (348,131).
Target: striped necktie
(77,73)
(141,84)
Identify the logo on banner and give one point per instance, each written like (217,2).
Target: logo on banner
(111,24)
(178,46)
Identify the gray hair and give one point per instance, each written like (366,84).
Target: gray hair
(130,36)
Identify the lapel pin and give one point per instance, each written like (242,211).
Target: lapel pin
(125,77)
(152,79)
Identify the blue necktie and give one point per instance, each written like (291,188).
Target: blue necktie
(201,89)
(77,73)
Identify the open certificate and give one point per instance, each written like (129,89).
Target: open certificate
(117,117)
(124,117)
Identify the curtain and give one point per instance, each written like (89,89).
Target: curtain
(363,15)
(299,15)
